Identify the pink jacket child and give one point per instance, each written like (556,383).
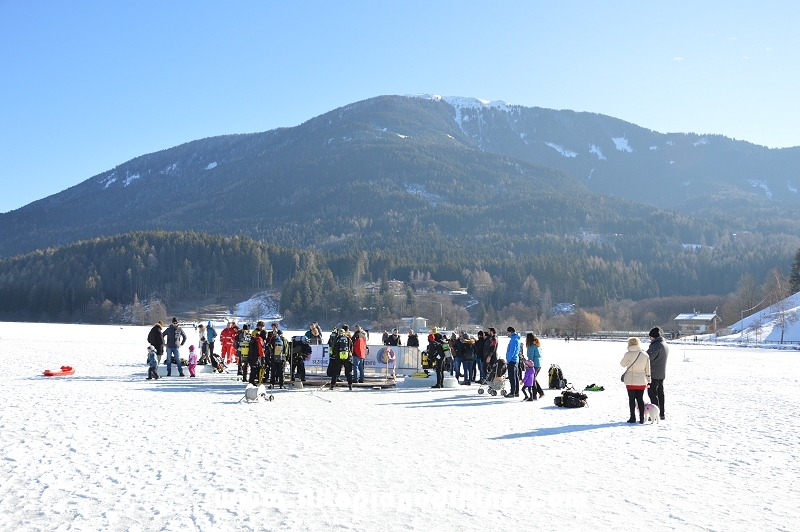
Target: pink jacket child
(192,361)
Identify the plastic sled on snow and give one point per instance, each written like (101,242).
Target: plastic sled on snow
(65,370)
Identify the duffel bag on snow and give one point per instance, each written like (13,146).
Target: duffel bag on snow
(572,399)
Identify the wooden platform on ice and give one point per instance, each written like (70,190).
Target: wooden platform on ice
(314,381)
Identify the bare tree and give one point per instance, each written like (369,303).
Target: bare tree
(778,290)
(757,326)
(583,322)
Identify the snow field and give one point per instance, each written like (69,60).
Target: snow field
(107,450)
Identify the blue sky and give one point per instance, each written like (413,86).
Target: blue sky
(85,86)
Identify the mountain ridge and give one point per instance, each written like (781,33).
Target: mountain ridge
(409,144)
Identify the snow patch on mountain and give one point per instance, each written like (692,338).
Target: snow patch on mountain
(761,184)
(790,187)
(687,182)
(170,168)
(596,150)
(108,180)
(563,151)
(211,165)
(462,104)
(401,136)
(622,144)
(652,148)
(129,179)
(701,141)
(419,190)
(590,174)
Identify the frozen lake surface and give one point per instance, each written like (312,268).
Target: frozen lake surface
(105,449)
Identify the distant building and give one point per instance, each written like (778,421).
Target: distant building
(694,323)
(419,324)
(395,287)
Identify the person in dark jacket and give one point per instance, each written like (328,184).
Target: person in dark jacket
(155,339)
(658,352)
(342,357)
(242,345)
(175,338)
(490,348)
(394,338)
(413,339)
(468,358)
(436,354)
(479,360)
(278,350)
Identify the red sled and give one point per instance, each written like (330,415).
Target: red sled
(65,370)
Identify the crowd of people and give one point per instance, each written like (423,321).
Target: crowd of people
(263,354)
(259,353)
(475,360)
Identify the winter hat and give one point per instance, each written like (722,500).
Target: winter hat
(174,320)
(209,324)
(191,348)
(529,363)
(655,332)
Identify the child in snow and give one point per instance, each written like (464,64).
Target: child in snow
(152,364)
(192,362)
(527,381)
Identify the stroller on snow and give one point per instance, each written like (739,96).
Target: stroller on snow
(495,379)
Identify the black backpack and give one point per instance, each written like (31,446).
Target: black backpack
(555,378)
(343,347)
(571,399)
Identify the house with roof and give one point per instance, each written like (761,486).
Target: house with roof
(419,324)
(694,323)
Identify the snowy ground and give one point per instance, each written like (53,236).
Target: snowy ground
(107,450)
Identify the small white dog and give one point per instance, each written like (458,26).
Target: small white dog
(652,411)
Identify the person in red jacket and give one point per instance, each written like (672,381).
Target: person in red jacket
(359,353)
(228,337)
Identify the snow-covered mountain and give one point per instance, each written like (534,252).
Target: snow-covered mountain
(421,145)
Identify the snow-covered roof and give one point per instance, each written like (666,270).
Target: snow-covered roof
(696,317)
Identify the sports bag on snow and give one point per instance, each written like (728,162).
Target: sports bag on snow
(571,399)
(555,378)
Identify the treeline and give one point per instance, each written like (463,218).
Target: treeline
(97,280)
(71,283)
